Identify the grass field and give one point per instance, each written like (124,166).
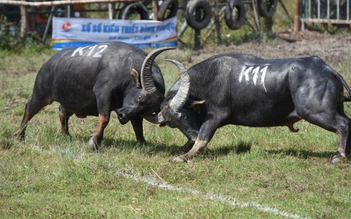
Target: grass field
(243,173)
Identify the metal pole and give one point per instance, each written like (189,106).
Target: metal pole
(155,8)
(68,11)
(338,10)
(111,11)
(257,19)
(197,35)
(24,24)
(182,29)
(297,24)
(348,10)
(48,23)
(217,23)
(328,9)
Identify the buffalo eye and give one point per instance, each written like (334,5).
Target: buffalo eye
(141,100)
(180,116)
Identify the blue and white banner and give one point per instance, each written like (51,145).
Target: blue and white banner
(76,32)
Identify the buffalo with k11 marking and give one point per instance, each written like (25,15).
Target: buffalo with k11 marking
(246,90)
(95,80)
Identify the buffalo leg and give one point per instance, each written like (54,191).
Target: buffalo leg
(95,139)
(31,109)
(348,145)
(348,142)
(343,138)
(335,123)
(341,111)
(137,123)
(64,117)
(20,133)
(185,148)
(322,111)
(199,144)
(207,130)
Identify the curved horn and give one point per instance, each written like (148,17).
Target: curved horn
(147,82)
(178,100)
(182,94)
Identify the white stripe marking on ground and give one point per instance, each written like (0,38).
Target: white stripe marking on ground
(154,182)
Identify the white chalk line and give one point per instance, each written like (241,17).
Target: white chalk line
(154,182)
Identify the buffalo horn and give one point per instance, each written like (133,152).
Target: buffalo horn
(146,75)
(182,94)
(178,100)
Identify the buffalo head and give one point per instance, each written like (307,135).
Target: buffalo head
(149,98)
(177,110)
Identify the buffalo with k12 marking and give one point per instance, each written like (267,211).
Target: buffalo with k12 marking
(95,80)
(246,90)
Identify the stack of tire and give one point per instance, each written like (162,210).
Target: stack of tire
(198,13)
(167,9)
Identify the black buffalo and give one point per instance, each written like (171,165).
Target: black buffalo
(246,90)
(95,80)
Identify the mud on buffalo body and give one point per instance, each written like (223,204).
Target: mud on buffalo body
(96,80)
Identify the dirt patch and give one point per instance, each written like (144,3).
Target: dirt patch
(332,48)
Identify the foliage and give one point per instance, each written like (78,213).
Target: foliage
(9,42)
(12,43)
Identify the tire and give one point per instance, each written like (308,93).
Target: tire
(235,14)
(168,9)
(132,8)
(266,8)
(198,14)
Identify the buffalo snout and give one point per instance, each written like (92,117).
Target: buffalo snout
(122,117)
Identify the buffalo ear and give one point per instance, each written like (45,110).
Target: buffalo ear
(135,76)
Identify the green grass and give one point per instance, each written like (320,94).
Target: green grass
(54,176)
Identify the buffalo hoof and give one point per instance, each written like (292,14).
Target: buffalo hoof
(180,159)
(141,143)
(19,137)
(92,144)
(337,157)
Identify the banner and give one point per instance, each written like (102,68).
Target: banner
(76,32)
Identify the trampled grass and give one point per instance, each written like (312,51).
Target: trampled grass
(243,173)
